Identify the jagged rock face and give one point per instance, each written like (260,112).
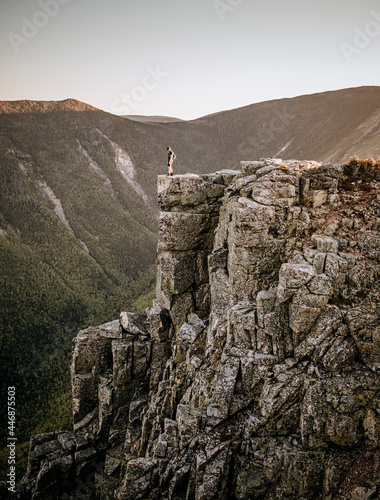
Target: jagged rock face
(189,215)
(254,374)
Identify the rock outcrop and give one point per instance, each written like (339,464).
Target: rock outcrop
(254,374)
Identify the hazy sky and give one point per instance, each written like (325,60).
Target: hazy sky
(185,58)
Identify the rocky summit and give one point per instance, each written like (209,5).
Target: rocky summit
(254,374)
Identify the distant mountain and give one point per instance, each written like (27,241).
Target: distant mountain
(331,126)
(152,119)
(78,216)
(10,107)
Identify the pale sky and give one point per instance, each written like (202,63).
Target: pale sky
(185,58)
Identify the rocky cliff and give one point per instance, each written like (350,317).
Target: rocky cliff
(254,374)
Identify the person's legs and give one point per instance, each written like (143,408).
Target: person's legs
(170,169)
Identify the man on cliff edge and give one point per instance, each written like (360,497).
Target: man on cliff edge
(171,157)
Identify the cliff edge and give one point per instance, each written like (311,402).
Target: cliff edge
(254,374)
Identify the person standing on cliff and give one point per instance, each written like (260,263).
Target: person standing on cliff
(171,158)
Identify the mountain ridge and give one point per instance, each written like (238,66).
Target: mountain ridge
(32,106)
(75,104)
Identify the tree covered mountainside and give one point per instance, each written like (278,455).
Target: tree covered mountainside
(77,244)
(78,215)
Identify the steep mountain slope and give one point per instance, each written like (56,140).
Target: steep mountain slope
(326,127)
(78,216)
(78,237)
